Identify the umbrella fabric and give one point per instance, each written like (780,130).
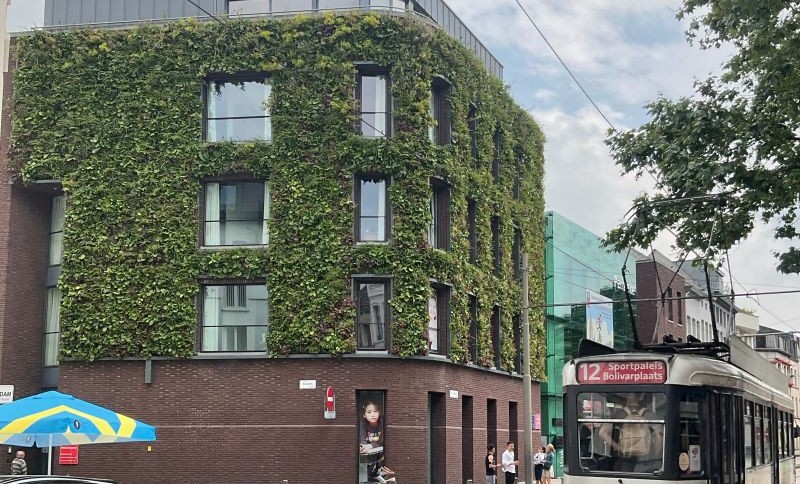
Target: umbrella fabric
(55,419)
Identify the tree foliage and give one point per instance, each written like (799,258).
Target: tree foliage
(729,155)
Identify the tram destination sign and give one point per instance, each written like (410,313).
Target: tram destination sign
(622,372)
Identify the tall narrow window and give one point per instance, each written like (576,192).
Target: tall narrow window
(439,228)
(237,109)
(440,133)
(670,304)
(234,317)
(472,228)
(371,300)
(57,214)
(517,174)
(472,124)
(473,328)
(498,148)
(372,208)
(516,253)
(496,245)
(375,102)
(438,319)
(52,326)
(498,359)
(679,304)
(236,213)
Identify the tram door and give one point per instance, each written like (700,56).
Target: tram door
(727,453)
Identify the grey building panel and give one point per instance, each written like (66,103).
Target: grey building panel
(160,9)
(102,11)
(88,12)
(117,10)
(147,8)
(73,12)
(48,13)
(131,10)
(176,8)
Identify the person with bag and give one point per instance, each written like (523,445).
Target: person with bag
(547,475)
(538,464)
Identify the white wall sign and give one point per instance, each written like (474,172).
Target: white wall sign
(308,384)
(453,393)
(6,393)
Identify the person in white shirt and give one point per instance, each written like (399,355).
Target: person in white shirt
(510,464)
(538,464)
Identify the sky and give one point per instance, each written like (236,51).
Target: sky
(625,53)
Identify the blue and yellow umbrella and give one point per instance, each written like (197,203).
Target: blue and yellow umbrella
(54,419)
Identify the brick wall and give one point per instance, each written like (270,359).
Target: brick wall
(652,316)
(226,421)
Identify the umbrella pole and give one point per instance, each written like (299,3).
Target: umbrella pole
(50,457)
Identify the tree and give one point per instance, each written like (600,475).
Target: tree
(730,155)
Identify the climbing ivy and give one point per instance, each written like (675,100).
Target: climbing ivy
(116,115)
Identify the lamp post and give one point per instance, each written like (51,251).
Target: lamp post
(527,404)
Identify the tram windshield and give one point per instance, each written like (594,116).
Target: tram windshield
(621,431)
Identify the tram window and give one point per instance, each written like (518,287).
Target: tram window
(690,438)
(758,437)
(768,437)
(725,420)
(621,432)
(748,434)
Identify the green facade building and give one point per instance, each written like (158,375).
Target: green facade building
(577,270)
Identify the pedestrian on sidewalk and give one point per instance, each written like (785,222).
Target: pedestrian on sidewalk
(491,465)
(510,463)
(538,464)
(548,464)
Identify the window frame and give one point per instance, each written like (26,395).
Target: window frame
(235,178)
(472,230)
(496,246)
(386,281)
(242,77)
(439,227)
(442,133)
(369,69)
(441,295)
(496,323)
(497,149)
(472,345)
(357,197)
(472,127)
(224,282)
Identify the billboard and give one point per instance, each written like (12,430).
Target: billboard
(599,319)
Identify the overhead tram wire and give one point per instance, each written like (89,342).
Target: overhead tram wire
(563,64)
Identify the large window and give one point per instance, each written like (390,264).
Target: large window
(375,100)
(371,301)
(236,213)
(372,208)
(624,432)
(440,132)
(438,230)
(496,245)
(496,347)
(472,125)
(691,429)
(516,254)
(438,319)
(237,109)
(51,326)
(473,328)
(748,435)
(235,317)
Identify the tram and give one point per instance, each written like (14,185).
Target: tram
(673,413)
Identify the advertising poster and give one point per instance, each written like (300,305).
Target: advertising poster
(372,466)
(599,319)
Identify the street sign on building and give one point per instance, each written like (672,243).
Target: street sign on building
(6,393)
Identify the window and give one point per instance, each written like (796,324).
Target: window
(236,213)
(440,132)
(515,325)
(438,319)
(374,97)
(472,125)
(498,148)
(472,228)
(679,303)
(669,303)
(235,317)
(372,208)
(498,360)
(371,300)
(473,328)
(496,245)
(749,458)
(439,228)
(52,326)
(768,437)
(758,438)
(517,173)
(237,109)
(57,214)
(691,430)
(516,254)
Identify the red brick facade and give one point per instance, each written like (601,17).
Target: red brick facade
(654,318)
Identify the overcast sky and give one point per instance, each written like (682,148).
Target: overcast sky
(626,53)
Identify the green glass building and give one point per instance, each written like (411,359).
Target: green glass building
(577,270)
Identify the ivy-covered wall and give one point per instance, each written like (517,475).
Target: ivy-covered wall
(116,115)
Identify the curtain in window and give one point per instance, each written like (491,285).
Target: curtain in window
(52,326)
(433,323)
(212,296)
(57,230)
(432,114)
(212,214)
(265,226)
